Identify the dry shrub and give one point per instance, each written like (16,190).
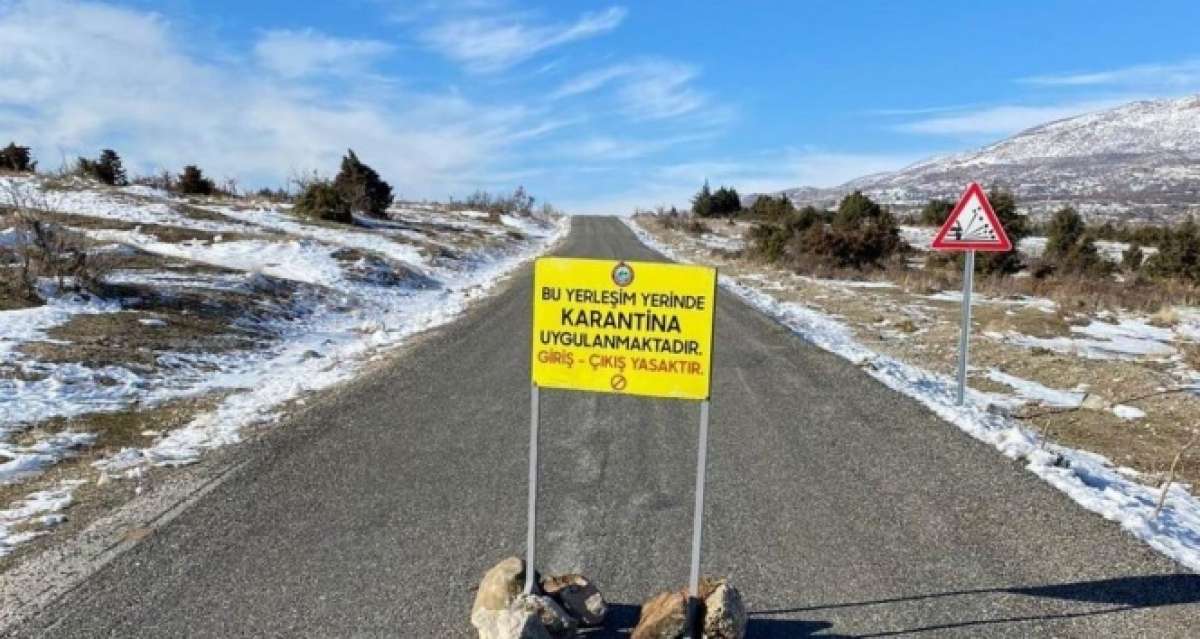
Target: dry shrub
(45,250)
(685,223)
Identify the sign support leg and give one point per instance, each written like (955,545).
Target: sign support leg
(531,530)
(694,610)
(964,338)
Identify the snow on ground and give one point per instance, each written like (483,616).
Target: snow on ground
(33,516)
(328,298)
(1031,390)
(1091,480)
(722,242)
(1128,339)
(1040,303)
(920,237)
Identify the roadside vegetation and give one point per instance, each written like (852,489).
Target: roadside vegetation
(135,309)
(1097,326)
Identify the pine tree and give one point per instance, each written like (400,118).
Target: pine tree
(106,169)
(1016,227)
(935,212)
(725,201)
(702,203)
(16,158)
(1179,254)
(856,209)
(324,201)
(193,182)
(1133,257)
(362,187)
(1066,230)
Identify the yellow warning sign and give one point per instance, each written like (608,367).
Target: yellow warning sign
(637,328)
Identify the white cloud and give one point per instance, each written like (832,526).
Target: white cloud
(1004,119)
(1176,76)
(489,44)
(646,90)
(298,53)
(603,147)
(75,77)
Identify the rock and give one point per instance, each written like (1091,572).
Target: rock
(724,614)
(1095,402)
(664,616)
(556,621)
(500,586)
(579,596)
(526,617)
(508,624)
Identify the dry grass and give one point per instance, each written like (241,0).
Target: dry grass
(903,323)
(121,339)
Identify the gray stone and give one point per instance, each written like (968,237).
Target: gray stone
(663,616)
(500,585)
(579,596)
(557,623)
(724,613)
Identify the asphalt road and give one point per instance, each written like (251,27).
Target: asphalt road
(837,506)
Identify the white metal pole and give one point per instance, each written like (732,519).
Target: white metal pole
(964,338)
(698,513)
(531,529)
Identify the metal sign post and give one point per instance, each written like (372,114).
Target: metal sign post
(693,612)
(630,328)
(972,226)
(531,530)
(964,338)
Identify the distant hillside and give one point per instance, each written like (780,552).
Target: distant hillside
(1137,161)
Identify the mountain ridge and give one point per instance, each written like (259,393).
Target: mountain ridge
(1137,161)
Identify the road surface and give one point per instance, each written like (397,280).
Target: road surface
(839,507)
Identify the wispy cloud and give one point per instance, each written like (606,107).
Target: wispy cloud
(1177,75)
(491,44)
(68,71)
(1004,119)
(298,53)
(651,89)
(608,148)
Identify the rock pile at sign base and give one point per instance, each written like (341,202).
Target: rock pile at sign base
(555,611)
(664,616)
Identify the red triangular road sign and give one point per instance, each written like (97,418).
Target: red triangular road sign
(972,225)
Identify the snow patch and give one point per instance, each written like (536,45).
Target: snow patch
(1090,479)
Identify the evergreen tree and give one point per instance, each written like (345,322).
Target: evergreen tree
(1065,232)
(324,201)
(725,201)
(16,158)
(1071,248)
(856,209)
(702,203)
(1179,254)
(106,169)
(1133,257)
(935,212)
(1016,226)
(193,182)
(362,187)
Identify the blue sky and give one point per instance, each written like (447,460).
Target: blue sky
(596,107)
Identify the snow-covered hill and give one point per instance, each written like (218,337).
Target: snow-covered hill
(1140,160)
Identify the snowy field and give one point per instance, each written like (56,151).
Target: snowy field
(290,306)
(912,353)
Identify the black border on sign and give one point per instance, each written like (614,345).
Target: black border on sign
(712,337)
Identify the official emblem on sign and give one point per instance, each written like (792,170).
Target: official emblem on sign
(972,226)
(622,274)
